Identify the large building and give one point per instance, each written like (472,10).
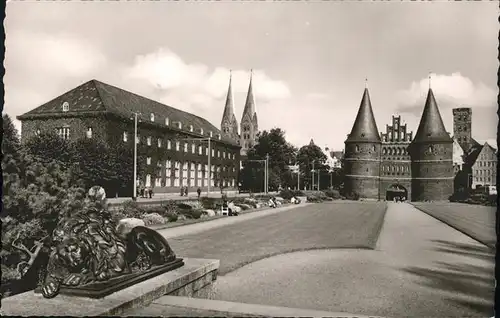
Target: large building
(479,165)
(175,142)
(249,123)
(384,165)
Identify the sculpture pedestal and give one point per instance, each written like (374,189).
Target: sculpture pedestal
(192,279)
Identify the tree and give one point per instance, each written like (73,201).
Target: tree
(307,156)
(281,152)
(10,142)
(48,146)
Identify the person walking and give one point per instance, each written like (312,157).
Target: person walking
(186,191)
(182,191)
(199,192)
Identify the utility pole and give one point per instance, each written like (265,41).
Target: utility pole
(267,173)
(318,177)
(134,195)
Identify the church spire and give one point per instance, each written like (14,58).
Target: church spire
(365,127)
(228,109)
(431,126)
(250,102)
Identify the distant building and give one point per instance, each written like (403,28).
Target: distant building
(247,137)
(458,156)
(396,164)
(337,157)
(176,154)
(479,161)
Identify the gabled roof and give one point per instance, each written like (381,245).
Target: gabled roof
(431,127)
(97,96)
(364,128)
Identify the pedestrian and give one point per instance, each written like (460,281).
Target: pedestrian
(142,192)
(199,192)
(186,191)
(150,193)
(182,191)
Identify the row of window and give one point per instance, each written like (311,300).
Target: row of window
(194,148)
(166,181)
(395,151)
(485,179)
(189,166)
(483,172)
(395,168)
(460,128)
(398,136)
(486,163)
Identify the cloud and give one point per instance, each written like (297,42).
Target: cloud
(163,75)
(453,90)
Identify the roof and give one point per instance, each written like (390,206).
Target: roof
(364,128)
(250,102)
(228,108)
(431,127)
(95,96)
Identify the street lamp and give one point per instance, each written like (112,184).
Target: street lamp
(134,195)
(209,159)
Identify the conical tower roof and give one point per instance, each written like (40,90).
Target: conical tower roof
(364,128)
(250,102)
(431,127)
(228,109)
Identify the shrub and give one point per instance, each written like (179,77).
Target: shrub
(132,209)
(184,206)
(286,194)
(192,213)
(170,206)
(208,203)
(152,219)
(171,216)
(334,194)
(352,196)
(160,210)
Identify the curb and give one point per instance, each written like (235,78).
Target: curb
(489,245)
(200,220)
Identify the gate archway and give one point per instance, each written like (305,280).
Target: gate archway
(396,191)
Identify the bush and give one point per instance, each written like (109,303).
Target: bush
(160,210)
(170,206)
(352,196)
(131,209)
(208,203)
(192,213)
(171,216)
(184,206)
(152,219)
(334,194)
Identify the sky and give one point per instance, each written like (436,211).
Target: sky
(310,59)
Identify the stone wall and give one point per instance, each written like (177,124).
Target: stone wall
(362,169)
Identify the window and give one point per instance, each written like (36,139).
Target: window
(179,125)
(89,132)
(152,117)
(357,148)
(177,145)
(218,136)
(167,121)
(184,174)
(158,182)
(185,147)
(193,148)
(224,154)
(191,128)
(37,132)
(218,153)
(384,151)
(206,151)
(125,136)
(148,180)
(169,144)
(159,143)
(148,160)
(199,176)
(200,150)
(206,175)
(210,134)
(65,107)
(201,131)
(138,139)
(213,152)
(63,132)
(176,173)
(192,174)
(168,172)
(149,140)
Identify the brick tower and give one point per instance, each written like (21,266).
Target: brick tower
(462,127)
(249,123)
(432,156)
(229,124)
(362,153)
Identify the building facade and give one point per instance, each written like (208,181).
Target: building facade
(484,169)
(396,164)
(175,142)
(249,128)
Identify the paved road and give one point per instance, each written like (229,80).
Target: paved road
(420,268)
(326,225)
(474,220)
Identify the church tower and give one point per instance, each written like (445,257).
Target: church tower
(362,153)
(249,123)
(462,127)
(432,156)
(229,124)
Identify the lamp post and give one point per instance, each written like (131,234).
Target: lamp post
(134,195)
(209,159)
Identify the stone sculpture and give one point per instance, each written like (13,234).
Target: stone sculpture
(88,258)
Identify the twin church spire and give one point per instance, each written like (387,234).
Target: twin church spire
(249,126)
